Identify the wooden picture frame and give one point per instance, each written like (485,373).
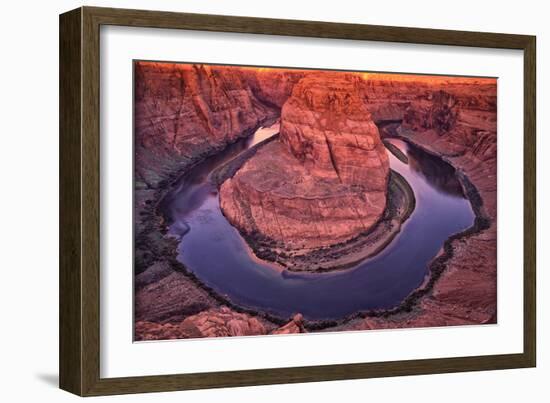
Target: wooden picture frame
(79,201)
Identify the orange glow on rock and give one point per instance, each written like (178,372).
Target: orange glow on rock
(375,76)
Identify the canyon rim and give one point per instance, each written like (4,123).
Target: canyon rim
(278,201)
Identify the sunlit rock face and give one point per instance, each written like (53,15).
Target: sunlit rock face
(324,181)
(273,86)
(327,127)
(185,111)
(438,111)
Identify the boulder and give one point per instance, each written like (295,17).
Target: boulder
(296,325)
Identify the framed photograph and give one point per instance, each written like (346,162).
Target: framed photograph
(251,201)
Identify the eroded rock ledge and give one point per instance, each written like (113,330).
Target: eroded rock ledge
(219,322)
(323,182)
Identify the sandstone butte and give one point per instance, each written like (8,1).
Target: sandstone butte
(324,181)
(187,112)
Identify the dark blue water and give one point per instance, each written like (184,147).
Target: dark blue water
(218,255)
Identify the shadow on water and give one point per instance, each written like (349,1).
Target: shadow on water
(218,255)
(438,173)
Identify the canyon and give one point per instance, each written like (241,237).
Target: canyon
(323,182)
(457,122)
(183,112)
(329,153)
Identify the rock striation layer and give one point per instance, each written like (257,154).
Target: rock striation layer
(323,182)
(185,110)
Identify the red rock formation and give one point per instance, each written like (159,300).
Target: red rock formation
(220,322)
(390,96)
(224,322)
(164,295)
(183,111)
(460,125)
(147,331)
(273,86)
(327,127)
(324,182)
(296,325)
(438,111)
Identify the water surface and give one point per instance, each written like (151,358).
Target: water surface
(219,256)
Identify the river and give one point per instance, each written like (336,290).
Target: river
(217,254)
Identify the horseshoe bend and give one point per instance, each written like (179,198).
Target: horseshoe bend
(323,183)
(379,188)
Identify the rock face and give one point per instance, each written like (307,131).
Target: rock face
(391,98)
(164,295)
(438,112)
(273,86)
(296,325)
(328,128)
(184,111)
(325,180)
(458,122)
(217,322)
(220,322)
(224,322)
